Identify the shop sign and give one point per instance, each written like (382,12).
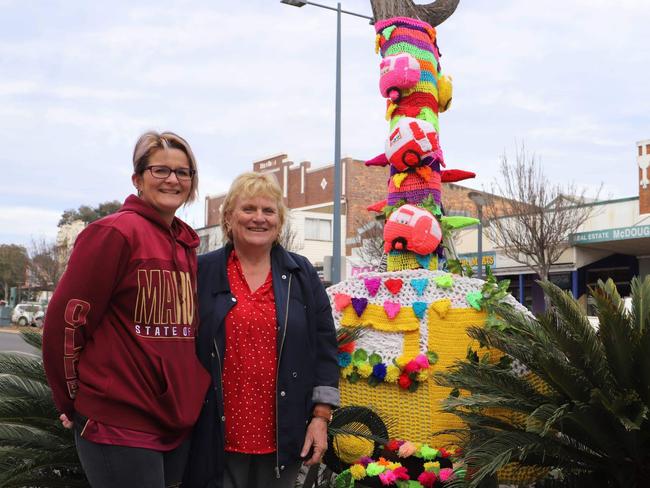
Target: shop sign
(605,235)
(471,259)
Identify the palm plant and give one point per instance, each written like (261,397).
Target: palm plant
(580,411)
(35,450)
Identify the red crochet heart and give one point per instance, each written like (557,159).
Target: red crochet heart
(394,285)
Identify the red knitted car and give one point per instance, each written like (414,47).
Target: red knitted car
(411,228)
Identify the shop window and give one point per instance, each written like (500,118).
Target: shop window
(318,229)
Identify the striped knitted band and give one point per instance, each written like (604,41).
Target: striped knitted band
(414,197)
(408,22)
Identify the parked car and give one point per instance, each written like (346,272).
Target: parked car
(25,314)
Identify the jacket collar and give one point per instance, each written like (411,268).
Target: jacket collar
(281,261)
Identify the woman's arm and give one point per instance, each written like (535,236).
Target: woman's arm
(98,260)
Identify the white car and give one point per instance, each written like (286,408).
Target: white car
(25,314)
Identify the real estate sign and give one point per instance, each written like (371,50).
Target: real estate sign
(605,235)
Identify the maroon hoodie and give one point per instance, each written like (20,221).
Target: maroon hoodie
(118,341)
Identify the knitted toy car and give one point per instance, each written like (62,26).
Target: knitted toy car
(411,141)
(412,228)
(398,72)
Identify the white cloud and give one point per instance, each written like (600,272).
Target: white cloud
(21,224)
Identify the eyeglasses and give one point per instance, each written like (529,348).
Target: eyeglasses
(163,172)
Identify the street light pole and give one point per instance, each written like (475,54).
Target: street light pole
(336,234)
(336,218)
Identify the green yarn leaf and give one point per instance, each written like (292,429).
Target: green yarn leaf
(388,31)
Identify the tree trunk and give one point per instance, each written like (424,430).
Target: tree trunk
(434,13)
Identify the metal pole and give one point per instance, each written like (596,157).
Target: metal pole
(336,234)
(479,274)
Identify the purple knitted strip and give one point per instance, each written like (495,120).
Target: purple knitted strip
(414,196)
(425,46)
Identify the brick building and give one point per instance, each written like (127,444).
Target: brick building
(308,193)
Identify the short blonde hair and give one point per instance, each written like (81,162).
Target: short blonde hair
(152,141)
(250,185)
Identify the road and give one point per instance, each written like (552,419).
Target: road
(14,342)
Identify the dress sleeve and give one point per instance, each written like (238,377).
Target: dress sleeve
(327,369)
(97,263)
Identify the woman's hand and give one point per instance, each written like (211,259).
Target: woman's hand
(65,421)
(316,438)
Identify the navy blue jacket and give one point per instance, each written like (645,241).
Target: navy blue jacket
(307,366)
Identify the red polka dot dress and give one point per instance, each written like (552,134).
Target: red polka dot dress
(250,363)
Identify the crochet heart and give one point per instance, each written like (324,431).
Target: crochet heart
(392,309)
(398,178)
(394,285)
(442,307)
(419,308)
(419,285)
(359,305)
(341,300)
(372,285)
(444,281)
(474,298)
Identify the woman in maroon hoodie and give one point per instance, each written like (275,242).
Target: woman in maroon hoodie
(118,342)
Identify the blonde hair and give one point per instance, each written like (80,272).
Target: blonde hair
(152,141)
(250,185)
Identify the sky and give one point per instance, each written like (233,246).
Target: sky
(243,80)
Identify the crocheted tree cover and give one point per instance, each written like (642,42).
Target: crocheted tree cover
(414,316)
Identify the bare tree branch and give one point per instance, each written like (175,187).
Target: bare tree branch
(289,237)
(47,262)
(534,227)
(371,236)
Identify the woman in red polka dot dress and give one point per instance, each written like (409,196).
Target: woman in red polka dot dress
(267,336)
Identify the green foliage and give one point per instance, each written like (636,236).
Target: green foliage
(586,416)
(89,214)
(35,449)
(13,265)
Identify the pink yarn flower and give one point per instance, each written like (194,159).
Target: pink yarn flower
(446,474)
(427,479)
(401,473)
(387,477)
(422,361)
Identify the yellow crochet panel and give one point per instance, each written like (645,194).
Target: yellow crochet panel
(416,415)
(375,316)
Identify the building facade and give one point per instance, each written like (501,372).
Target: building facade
(613,243)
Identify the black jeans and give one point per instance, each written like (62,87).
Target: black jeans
(108,466)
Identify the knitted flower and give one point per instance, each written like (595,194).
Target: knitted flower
(401,361)
(431,466)
(374,469)
(422,375)
(365,461)
(387,478)
(446,474)
(427,479)
(422,360)
(392,445)
(347,347)
(344,359)
(407,449)
(411,367)
(347,371)
(392,373)
(428,453)
(401,473)
(357,471)
(404,381)
(379,371)
(382,461)
(364,370)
